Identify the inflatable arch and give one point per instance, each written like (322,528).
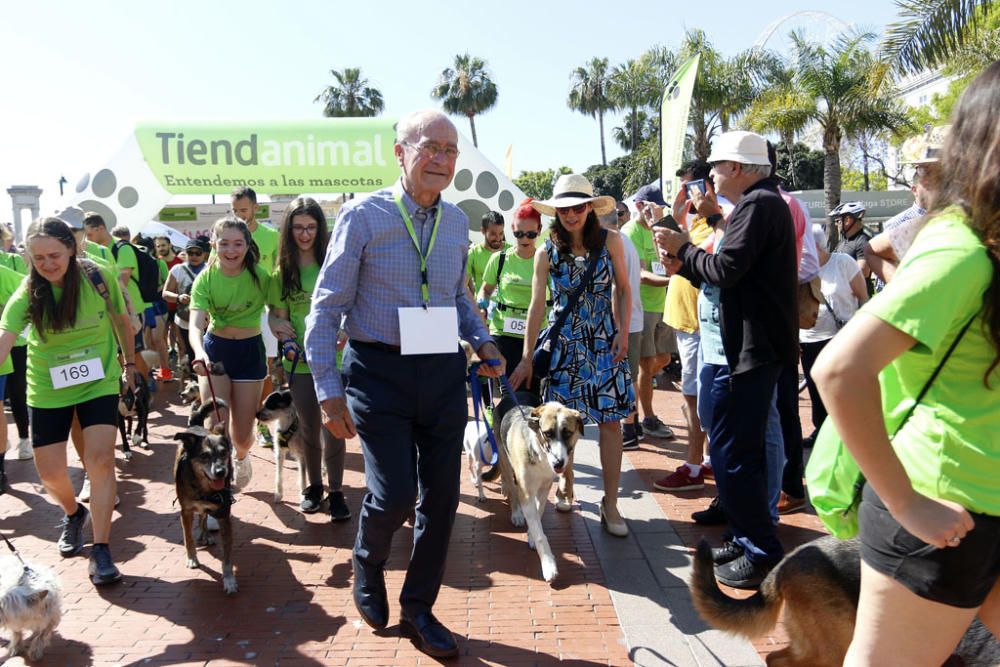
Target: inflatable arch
(162,159)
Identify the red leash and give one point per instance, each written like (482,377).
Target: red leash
(211,388)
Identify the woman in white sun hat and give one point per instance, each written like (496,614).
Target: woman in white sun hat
(589,370)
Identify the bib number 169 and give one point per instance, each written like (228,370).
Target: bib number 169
(69,375)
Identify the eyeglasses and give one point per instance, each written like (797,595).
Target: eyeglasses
(431,151)
(525,235)
(195,253)
(579,208)
(309,229)
(622,214)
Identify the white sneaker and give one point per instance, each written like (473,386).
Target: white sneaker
(242,472)
(85,490)
(212,524)
(24,450)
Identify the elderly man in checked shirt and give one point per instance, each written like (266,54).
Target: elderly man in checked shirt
(409,410)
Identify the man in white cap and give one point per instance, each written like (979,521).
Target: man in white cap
(749,284)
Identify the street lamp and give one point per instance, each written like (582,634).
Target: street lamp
(62,182)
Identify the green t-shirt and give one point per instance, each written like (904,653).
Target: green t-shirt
(127,260)
(91,337)
(653,298)
(513,289)
(479,256)
(14,262)
(950,447)
(231,301)
(100,254)
(297,304)
(10,280)
(164,270)
(266,239)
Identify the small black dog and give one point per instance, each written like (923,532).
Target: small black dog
(134,405)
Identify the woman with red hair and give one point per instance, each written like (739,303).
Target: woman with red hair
(507,285)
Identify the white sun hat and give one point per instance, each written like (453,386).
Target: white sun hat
(740,146)
(571,190)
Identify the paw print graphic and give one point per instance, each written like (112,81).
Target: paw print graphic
(104,187)
(486,187)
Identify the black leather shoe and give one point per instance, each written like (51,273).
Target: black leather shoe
(711,515)
(369,595)
(432,637)
(729,551)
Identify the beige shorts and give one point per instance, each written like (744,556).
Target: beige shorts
(657,336)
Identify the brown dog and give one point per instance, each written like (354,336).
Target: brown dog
(818,585)
(203,477)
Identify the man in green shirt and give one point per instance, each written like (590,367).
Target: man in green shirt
(657,337)
(479,255)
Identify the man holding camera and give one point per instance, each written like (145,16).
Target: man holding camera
(754,271)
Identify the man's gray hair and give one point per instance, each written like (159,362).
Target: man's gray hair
(756,169)
(412,124)
(121,232)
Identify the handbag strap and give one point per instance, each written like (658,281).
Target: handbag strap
(588,277)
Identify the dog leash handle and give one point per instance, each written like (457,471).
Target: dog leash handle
(211,388)
(15,552)
(477,399)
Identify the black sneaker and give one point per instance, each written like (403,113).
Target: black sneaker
(728,552)
(339,511)
(638,426)
(712,515)
(102,568)
(312,499)
(3,482)
(742,573)
(71,539)
(629,438)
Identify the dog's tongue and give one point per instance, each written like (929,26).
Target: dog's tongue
(218,484)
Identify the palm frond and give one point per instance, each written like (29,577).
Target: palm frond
(928,31)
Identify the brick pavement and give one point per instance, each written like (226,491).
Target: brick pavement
(294,605)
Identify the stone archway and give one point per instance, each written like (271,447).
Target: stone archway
(24,197)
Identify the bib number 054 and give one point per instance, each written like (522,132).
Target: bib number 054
(77,372)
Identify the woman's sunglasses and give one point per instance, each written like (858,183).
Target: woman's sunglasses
(195,253)
(525,235)
(579,208)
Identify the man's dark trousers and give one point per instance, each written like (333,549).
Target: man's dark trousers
(791,430)
(410,413)
(739,458)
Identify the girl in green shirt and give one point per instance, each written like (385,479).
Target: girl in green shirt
(73,370)
(227,301)
(301,247)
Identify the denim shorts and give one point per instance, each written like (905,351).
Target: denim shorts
(243,359)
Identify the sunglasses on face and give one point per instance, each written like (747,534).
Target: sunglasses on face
(579,208)
(195,253)
(525,235)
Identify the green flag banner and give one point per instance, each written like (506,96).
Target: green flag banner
(351,155)
(675,109)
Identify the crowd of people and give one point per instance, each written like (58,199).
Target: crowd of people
(362,312)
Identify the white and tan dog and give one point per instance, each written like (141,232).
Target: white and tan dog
(30,602)
(536,445)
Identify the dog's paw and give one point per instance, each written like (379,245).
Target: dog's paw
(277,497)
(192,563)
(136,439)
(517,517)
(549,569)
(531,542)
(128,456)
(229,584)
(36,652)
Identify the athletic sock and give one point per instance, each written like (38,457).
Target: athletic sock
(694,468)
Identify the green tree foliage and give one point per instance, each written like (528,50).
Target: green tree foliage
(590,94)
(351,96)
(634,87)
(929,32)
(538,184)
(805,169)
(649,128)
(466,89)
(854,181)
(609,179)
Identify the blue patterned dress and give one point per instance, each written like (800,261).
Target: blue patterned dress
(584,376)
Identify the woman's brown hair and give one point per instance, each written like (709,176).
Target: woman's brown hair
(252,257)
(591,234)
(288,250)
(43,311)
(969,167)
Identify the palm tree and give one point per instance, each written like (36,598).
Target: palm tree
(851,91)
(929,31)
(351,96)
(634,87)
(466,89)
(781,107)
(648,127)
(589,94)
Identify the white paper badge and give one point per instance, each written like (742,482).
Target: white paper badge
(77,372)
(514,325)
(428,330)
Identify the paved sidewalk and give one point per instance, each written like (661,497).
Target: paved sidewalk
(615,601)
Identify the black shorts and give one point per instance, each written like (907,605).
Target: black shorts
(52,425)
(244,359)
(959,576)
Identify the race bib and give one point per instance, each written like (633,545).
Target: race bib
(659,269)
(514,325)
(428,330)
(76,372)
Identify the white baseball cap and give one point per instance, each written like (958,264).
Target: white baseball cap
(740,146)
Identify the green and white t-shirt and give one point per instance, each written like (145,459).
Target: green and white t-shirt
(230,301)
(479,257)
(127,260)
(92,337)
(297,304)
(513,290)
(653,298)
(100,254)
(14,261)
(950,447)
(10,280)
(266,239)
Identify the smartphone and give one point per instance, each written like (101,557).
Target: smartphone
(691,185)
(668,222)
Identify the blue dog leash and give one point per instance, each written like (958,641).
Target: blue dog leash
(477,399)
(296,350)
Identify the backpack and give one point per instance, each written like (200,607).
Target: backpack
(148,279)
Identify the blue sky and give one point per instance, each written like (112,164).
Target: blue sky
(78,75)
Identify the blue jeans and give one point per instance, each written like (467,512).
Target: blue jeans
(775,457)
(738,408)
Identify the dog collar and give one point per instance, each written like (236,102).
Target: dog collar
(284,437)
